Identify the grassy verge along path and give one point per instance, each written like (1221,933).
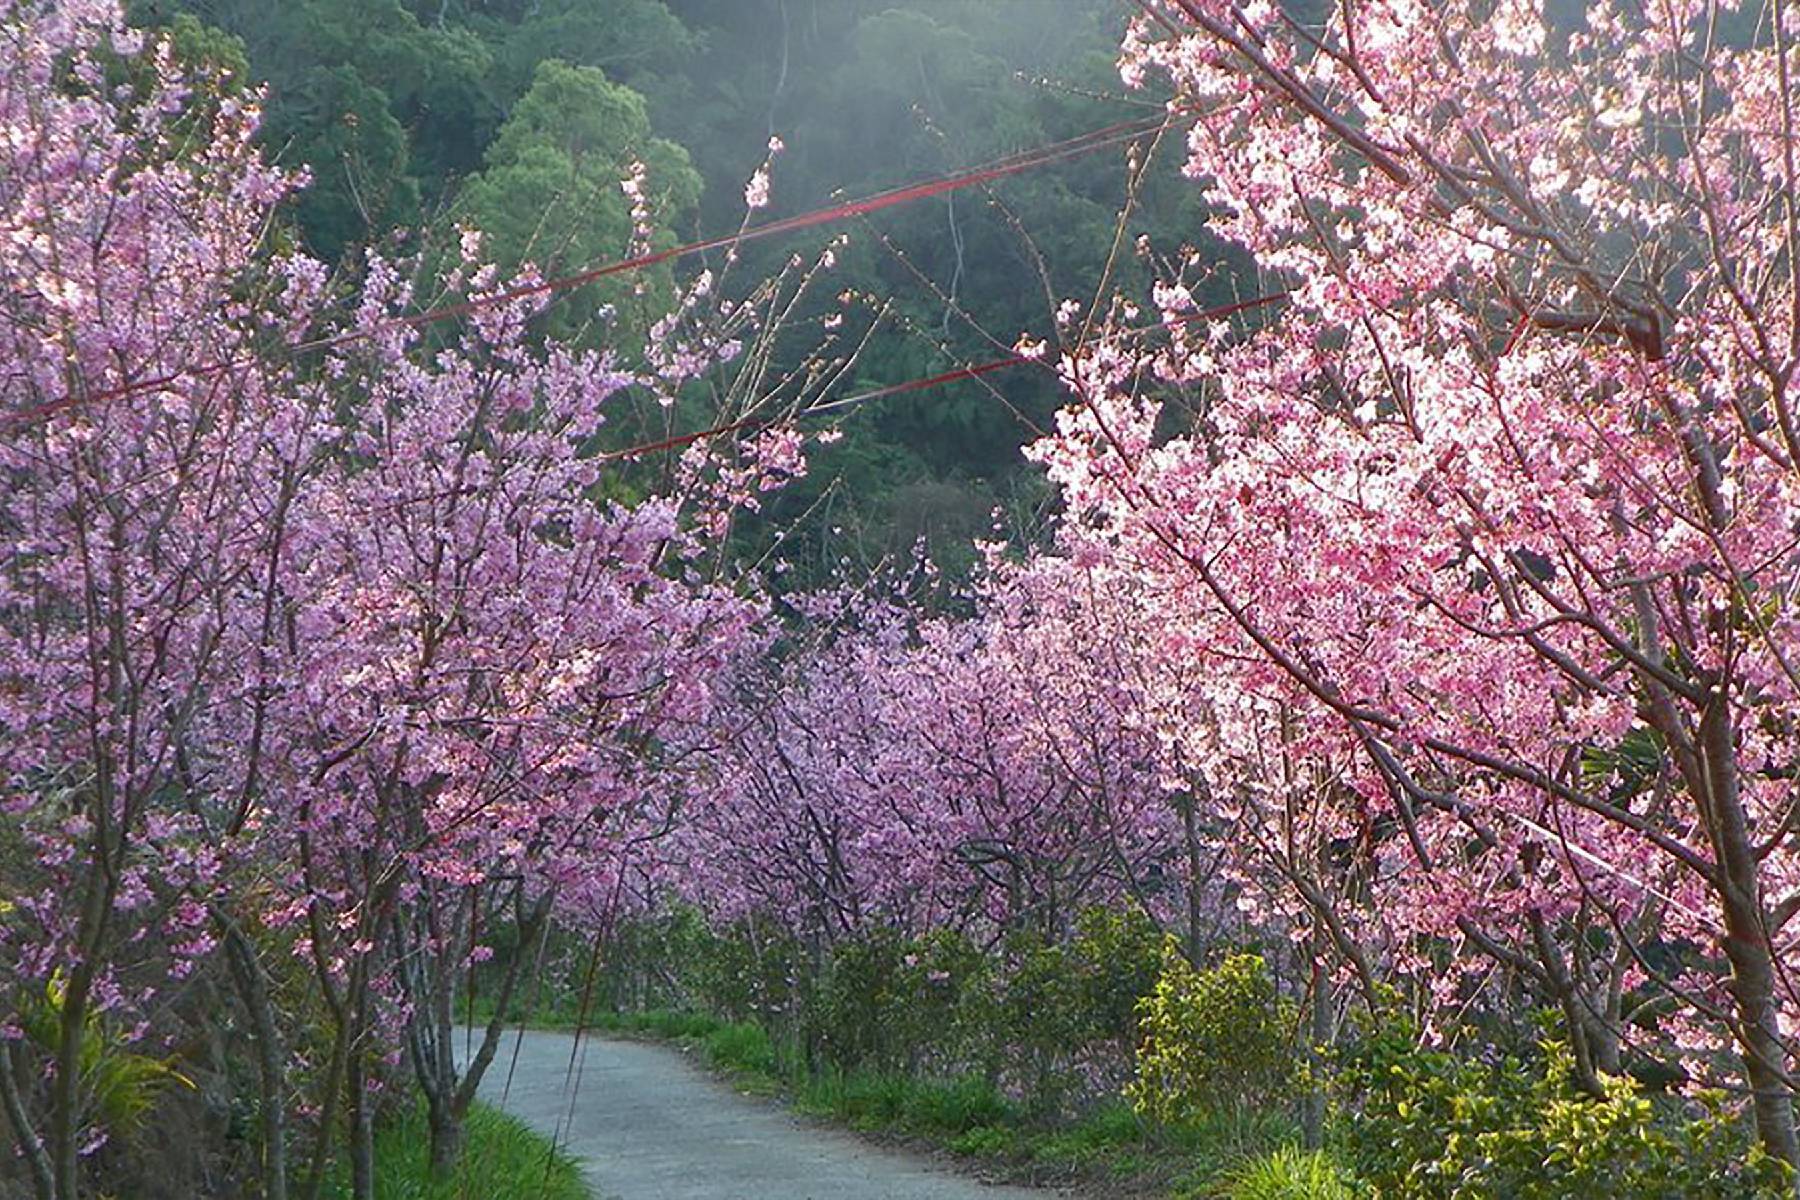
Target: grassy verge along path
(504,1158)
(1107,1152)
(647,1123)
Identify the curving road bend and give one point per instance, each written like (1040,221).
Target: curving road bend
(648,1124)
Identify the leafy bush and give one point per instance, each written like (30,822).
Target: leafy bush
(119,1086)
(1032,1014)
(745,972)
(1050,1012)
(1210,1039)
(939,1014)
(1114,957)
(1426,1125)
(848,1019)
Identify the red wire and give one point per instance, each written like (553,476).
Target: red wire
(929,381)
(997,169)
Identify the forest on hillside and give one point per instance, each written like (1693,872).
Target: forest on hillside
(1188,598)
(519,119)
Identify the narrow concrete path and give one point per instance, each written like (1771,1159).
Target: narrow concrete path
(648,1124)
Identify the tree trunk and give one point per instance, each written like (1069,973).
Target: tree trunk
(271,1092)
(446,1141)
(65,1088)
(431,1035)
(362,1128)
(1746,937)
(1196,898)
(43,1182)
(1312,1105)
(1586,1041)
(333,1094)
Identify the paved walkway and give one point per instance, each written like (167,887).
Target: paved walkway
(648,1124)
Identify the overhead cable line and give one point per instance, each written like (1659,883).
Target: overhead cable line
(955,375)
(999,168)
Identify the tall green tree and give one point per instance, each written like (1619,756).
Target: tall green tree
(550,192)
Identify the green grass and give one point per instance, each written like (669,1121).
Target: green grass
(1220,1147)
(1290,1174)
(744,1048)
(502,1158)
(663,1022)
(1107,1133)
(556,1011)
(967,1116)
(940,1109)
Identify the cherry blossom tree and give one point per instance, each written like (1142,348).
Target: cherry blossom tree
(1502,498)
(1000,771)
(487,664)
(321,629)
(132,209)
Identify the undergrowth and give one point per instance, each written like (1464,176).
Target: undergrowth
(502,1158)
(970,1117)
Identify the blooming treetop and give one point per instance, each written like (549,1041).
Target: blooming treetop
(1504,497)
(323,643)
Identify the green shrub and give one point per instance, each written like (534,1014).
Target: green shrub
(938,1016)
(1210,1039)
(891,1004)
(1114,956)
(744,972)
(1290,1174)
(848,1019)
(1050,1008)
(1423,1124)
(119,1086)
(1026,1013)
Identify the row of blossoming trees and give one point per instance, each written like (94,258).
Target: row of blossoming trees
(1434,616)
(1446,609)
(330,641)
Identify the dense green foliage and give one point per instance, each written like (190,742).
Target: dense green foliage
(548,191)
(1211,1036)
(1106,1053)
(123,1085)
(1034,1014)
(520,119)
(1432,1125)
